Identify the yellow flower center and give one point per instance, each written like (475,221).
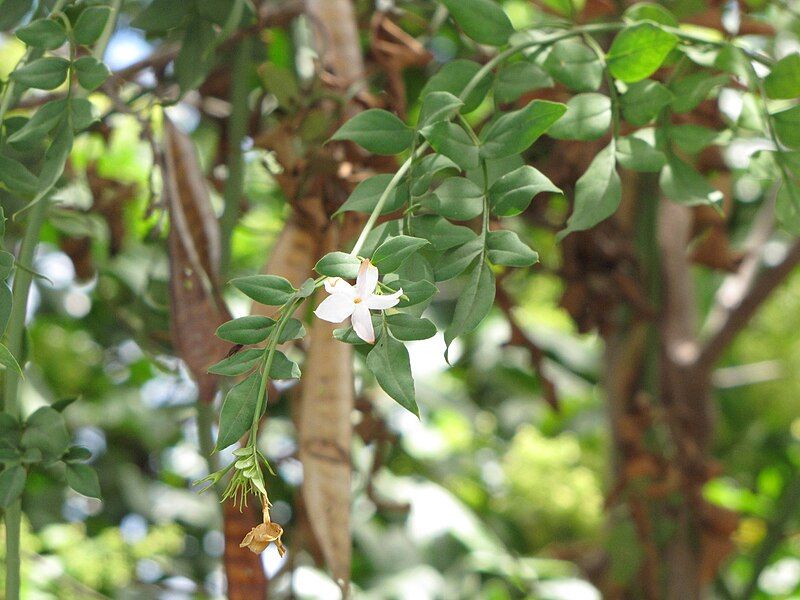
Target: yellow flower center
(356,300)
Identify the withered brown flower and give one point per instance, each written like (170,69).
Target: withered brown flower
(261,536)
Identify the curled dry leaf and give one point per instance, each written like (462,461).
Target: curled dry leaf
(195,305)
(325,435)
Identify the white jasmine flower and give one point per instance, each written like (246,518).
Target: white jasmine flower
(356,301)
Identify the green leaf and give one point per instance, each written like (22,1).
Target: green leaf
(83,479)
(474,302)
(46,431)
(417,292)
(41,123)
(47,34)
(575,65)
(283,368)
(82,113)
(638,52)
(265,289)
(377,131)
(8,361)
(6,266)
(9,431)
(91,72)
(306,288)
(407,327)
(787,206)
(681,183)
(438,106)
(787,126)
(453,262)
(519,78)
(588,117)
(64,403)
(505,248)
(441,233)
(482,20)
(650,11)
(783,82)
(513,192)
(389,363)
(238,411)
(162,15)
(452,141)
(693,89)
(644,100)
(12,483)
(90,24)
(456,198)
(77,454)
(44,73)
(338,264)
(515,131)
(237,364)
(292,330)
(426,169)
(55,157)
(196,55)
(395,251)
(251,329)
(597,193)
(365,197)
(693,138)
(12,12)
(281,83)
(5,308)
(637,155)
(16,178)
(454,78)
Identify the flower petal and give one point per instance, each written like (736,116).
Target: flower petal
(383,302)
(367,279)
(337,285)
(362,323)
(335,308)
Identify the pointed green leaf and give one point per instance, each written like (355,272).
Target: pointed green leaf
(482,20)
(598,192)
(377,131)
(238,411)
(513,192)
(638,52)
(389,363)
(514,132)
(251,329)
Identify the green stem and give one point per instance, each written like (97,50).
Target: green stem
(612,89)
(14,337)
(237,129)
(269,355)
(102,42)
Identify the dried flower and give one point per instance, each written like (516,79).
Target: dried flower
(261,536)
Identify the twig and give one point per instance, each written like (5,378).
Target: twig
(741,309)
(520,338)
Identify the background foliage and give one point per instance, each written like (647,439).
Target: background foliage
(492,493)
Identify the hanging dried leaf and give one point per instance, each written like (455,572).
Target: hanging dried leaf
(325,434)
(195,305)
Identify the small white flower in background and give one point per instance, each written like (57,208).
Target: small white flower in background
(356,301)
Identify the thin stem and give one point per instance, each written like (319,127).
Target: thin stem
(269,355)
(102,42)
(393,183)
(237,128)
(612,89)
(14,335)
